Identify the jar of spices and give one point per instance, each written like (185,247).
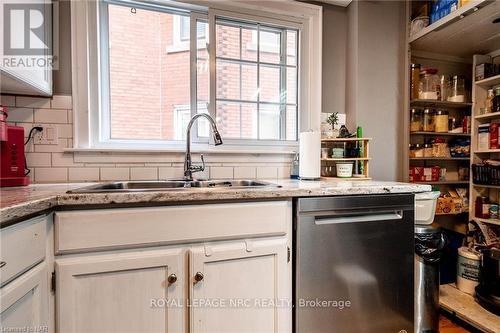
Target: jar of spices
(440,148)
(428,121)
(416,120)
(441,121)
(488,103)
(495,104)
(415,80)
(427,150)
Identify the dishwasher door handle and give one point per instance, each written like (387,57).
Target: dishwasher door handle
(395,215)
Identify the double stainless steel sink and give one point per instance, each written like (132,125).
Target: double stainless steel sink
(144,186)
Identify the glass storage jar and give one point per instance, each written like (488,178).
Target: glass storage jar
(429,85)
(427,150)
(428,120)
(416,124)
(415,80)
(440,148)
(457,89)
(441,121)
(495,104)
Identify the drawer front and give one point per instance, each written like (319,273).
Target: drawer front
(23,246)
(84,230)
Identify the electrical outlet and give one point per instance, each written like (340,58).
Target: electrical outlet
(49,135)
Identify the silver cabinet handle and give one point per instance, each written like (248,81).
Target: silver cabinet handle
(396,215)
(172,278)
(198,276)
(2,263)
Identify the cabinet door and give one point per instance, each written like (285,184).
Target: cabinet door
(125,292)
(24,302)
(233,286)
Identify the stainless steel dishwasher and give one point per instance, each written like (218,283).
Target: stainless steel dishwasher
(354,264)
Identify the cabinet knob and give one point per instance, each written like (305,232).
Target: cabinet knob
(198,276)
(172,278)
(2,263)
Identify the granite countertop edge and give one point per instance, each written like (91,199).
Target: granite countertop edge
(52,196)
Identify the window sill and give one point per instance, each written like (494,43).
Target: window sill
(288,150)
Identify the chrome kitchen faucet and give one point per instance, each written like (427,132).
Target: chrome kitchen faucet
(189,168)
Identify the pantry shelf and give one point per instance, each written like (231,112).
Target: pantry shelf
(487,151)
(487,186)
(488,221)
(439,158)
(488,116)
(461,33)
(440,134)
(489,82)
(340,159)
(345,139)
(442,104)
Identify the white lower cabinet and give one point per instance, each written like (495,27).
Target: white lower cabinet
(242,286)
(116,293)
(24,305)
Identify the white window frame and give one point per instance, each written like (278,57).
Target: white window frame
(87,92)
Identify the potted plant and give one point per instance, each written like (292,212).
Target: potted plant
(333,120)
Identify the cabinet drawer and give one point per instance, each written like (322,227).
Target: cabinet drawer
(77,231)
(23,246)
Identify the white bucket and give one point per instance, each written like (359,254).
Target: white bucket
(425,207)
(344,170)
(467,270)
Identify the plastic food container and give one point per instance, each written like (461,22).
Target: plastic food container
(425,207)
(344,170)
(467,270)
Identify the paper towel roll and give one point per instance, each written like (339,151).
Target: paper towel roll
(310,155)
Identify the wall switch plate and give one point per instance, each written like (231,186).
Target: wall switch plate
(49,135)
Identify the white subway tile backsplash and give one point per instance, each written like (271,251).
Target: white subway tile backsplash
(115,173)
(64,160)
(83,174)
(53,116)
(284,172)
(61,145)
(143,173)
(61,102)
(243,172)
(267,172)
(20,115)
(51,175)
(170,172)
(38,160)
(8,100)
(32,102)
(65,131)
(221,172)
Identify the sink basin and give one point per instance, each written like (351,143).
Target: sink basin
(143,186)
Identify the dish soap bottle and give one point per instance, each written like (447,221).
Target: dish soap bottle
(294,174)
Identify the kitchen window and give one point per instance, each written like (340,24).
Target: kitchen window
(148,87)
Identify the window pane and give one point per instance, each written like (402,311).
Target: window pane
(236,81)
(291,47)
(202,78)
(237,120)
(269,122)
(249,43)
(147,83)
(270,84)
(227,41)
(184,28)
(291,122)
(291,85)
(270,46)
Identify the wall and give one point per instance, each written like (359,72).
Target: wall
(376,38)
(51,164)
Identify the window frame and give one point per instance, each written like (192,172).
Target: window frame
(87,93)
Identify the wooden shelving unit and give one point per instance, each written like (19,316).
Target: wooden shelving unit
(439,158)
(440,134)
(489,82)
(488,116)
(328,164)
(439,104)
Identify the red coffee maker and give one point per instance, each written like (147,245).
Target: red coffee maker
(12,167)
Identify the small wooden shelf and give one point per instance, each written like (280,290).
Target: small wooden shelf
(439,158)
(442,104)
(488,116)
(446,182)
(486,186)
(487,151)
(347,179)
(345,159)
(488,221)
(345,139)
(489,82)
(440,134)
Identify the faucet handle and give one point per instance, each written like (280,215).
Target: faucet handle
(199,168)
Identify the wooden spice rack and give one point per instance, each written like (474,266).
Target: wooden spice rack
(330,162)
